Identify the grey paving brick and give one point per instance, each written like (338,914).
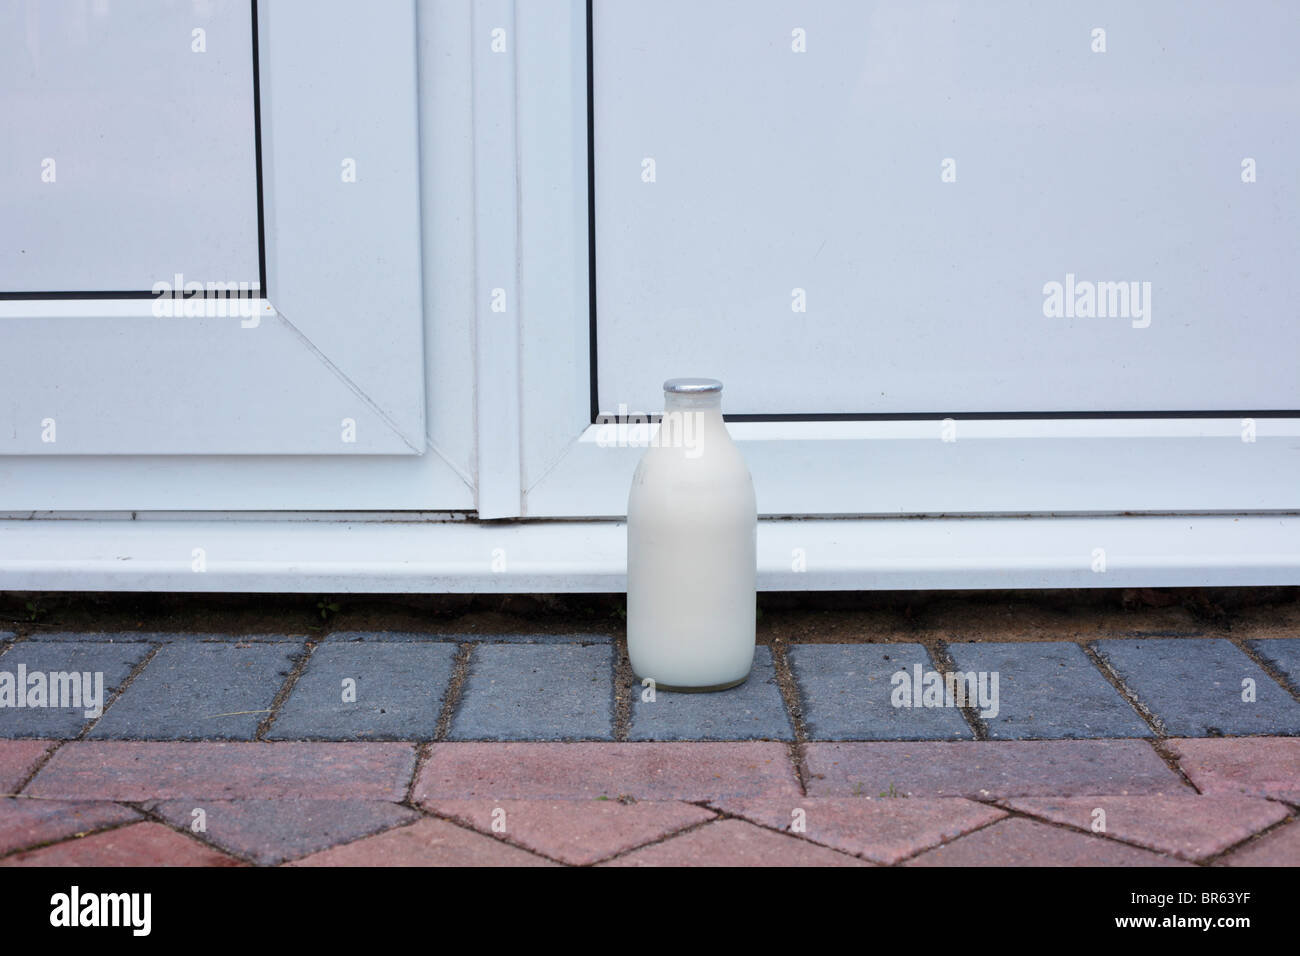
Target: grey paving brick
(399,689)
(752,711)
(114,661)
(7,636)
(1283,653)
(272,831)
(1048,690)
(200,692)
(1194,686)
(537,692)
(846,693)
(489,637)
(167,637)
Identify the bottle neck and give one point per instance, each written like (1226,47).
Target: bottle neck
(706,403)
(692,422)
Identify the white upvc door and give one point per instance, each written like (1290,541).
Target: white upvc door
(295,146)
(855,217)
(876,223)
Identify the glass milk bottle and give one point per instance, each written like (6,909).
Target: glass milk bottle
(691,548)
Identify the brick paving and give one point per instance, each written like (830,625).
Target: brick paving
(28,823)
(846,690)
(368,691)
(1282,653)
(577,832)
(1021,842)
(199,692)
(1259,767)
(1198,687)
(1048,691)
(140,844)
(273,831)
(1280,847)
(537,692)
(488,637)
(429,842)
(986,769)
(18,758)
(637,771)
(754,711)
(735,843)
(397,748)
(881,830)
(137,770)
(1191,827)
(114,661)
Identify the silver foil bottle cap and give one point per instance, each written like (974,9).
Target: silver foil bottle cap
(692,386)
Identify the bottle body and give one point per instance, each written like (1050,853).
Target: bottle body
(691,551)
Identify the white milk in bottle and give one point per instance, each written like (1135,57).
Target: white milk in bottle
(691,548)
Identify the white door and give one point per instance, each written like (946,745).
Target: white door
(947,258)
(226,144)
(856,217)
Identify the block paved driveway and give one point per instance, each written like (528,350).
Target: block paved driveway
(425,749)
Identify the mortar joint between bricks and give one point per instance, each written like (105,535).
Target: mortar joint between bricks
(423,750)
(944,663)
(146,809)
(1111,675)
(455,687)
(18,850)
(1264,664)
(286,688)
(1014,813)
(1160,743)
(1288,820)
(625,685)
(789,688)
(130,679)
(719,815)
(922,850)
(37,768)
(1166,753)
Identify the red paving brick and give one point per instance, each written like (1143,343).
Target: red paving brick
(426,843)
(734,843)
(1279,848)
(646,771)
(27,823)
(883,831)
(275,801)
(983,768)
(1020,842)
(17,758)
(1259,766)
(1191,827)
(140,844)
(136,771)
(575,831)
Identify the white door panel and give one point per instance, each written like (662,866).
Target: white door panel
(333,365)
(343,257)
(128,150)
(824,171)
